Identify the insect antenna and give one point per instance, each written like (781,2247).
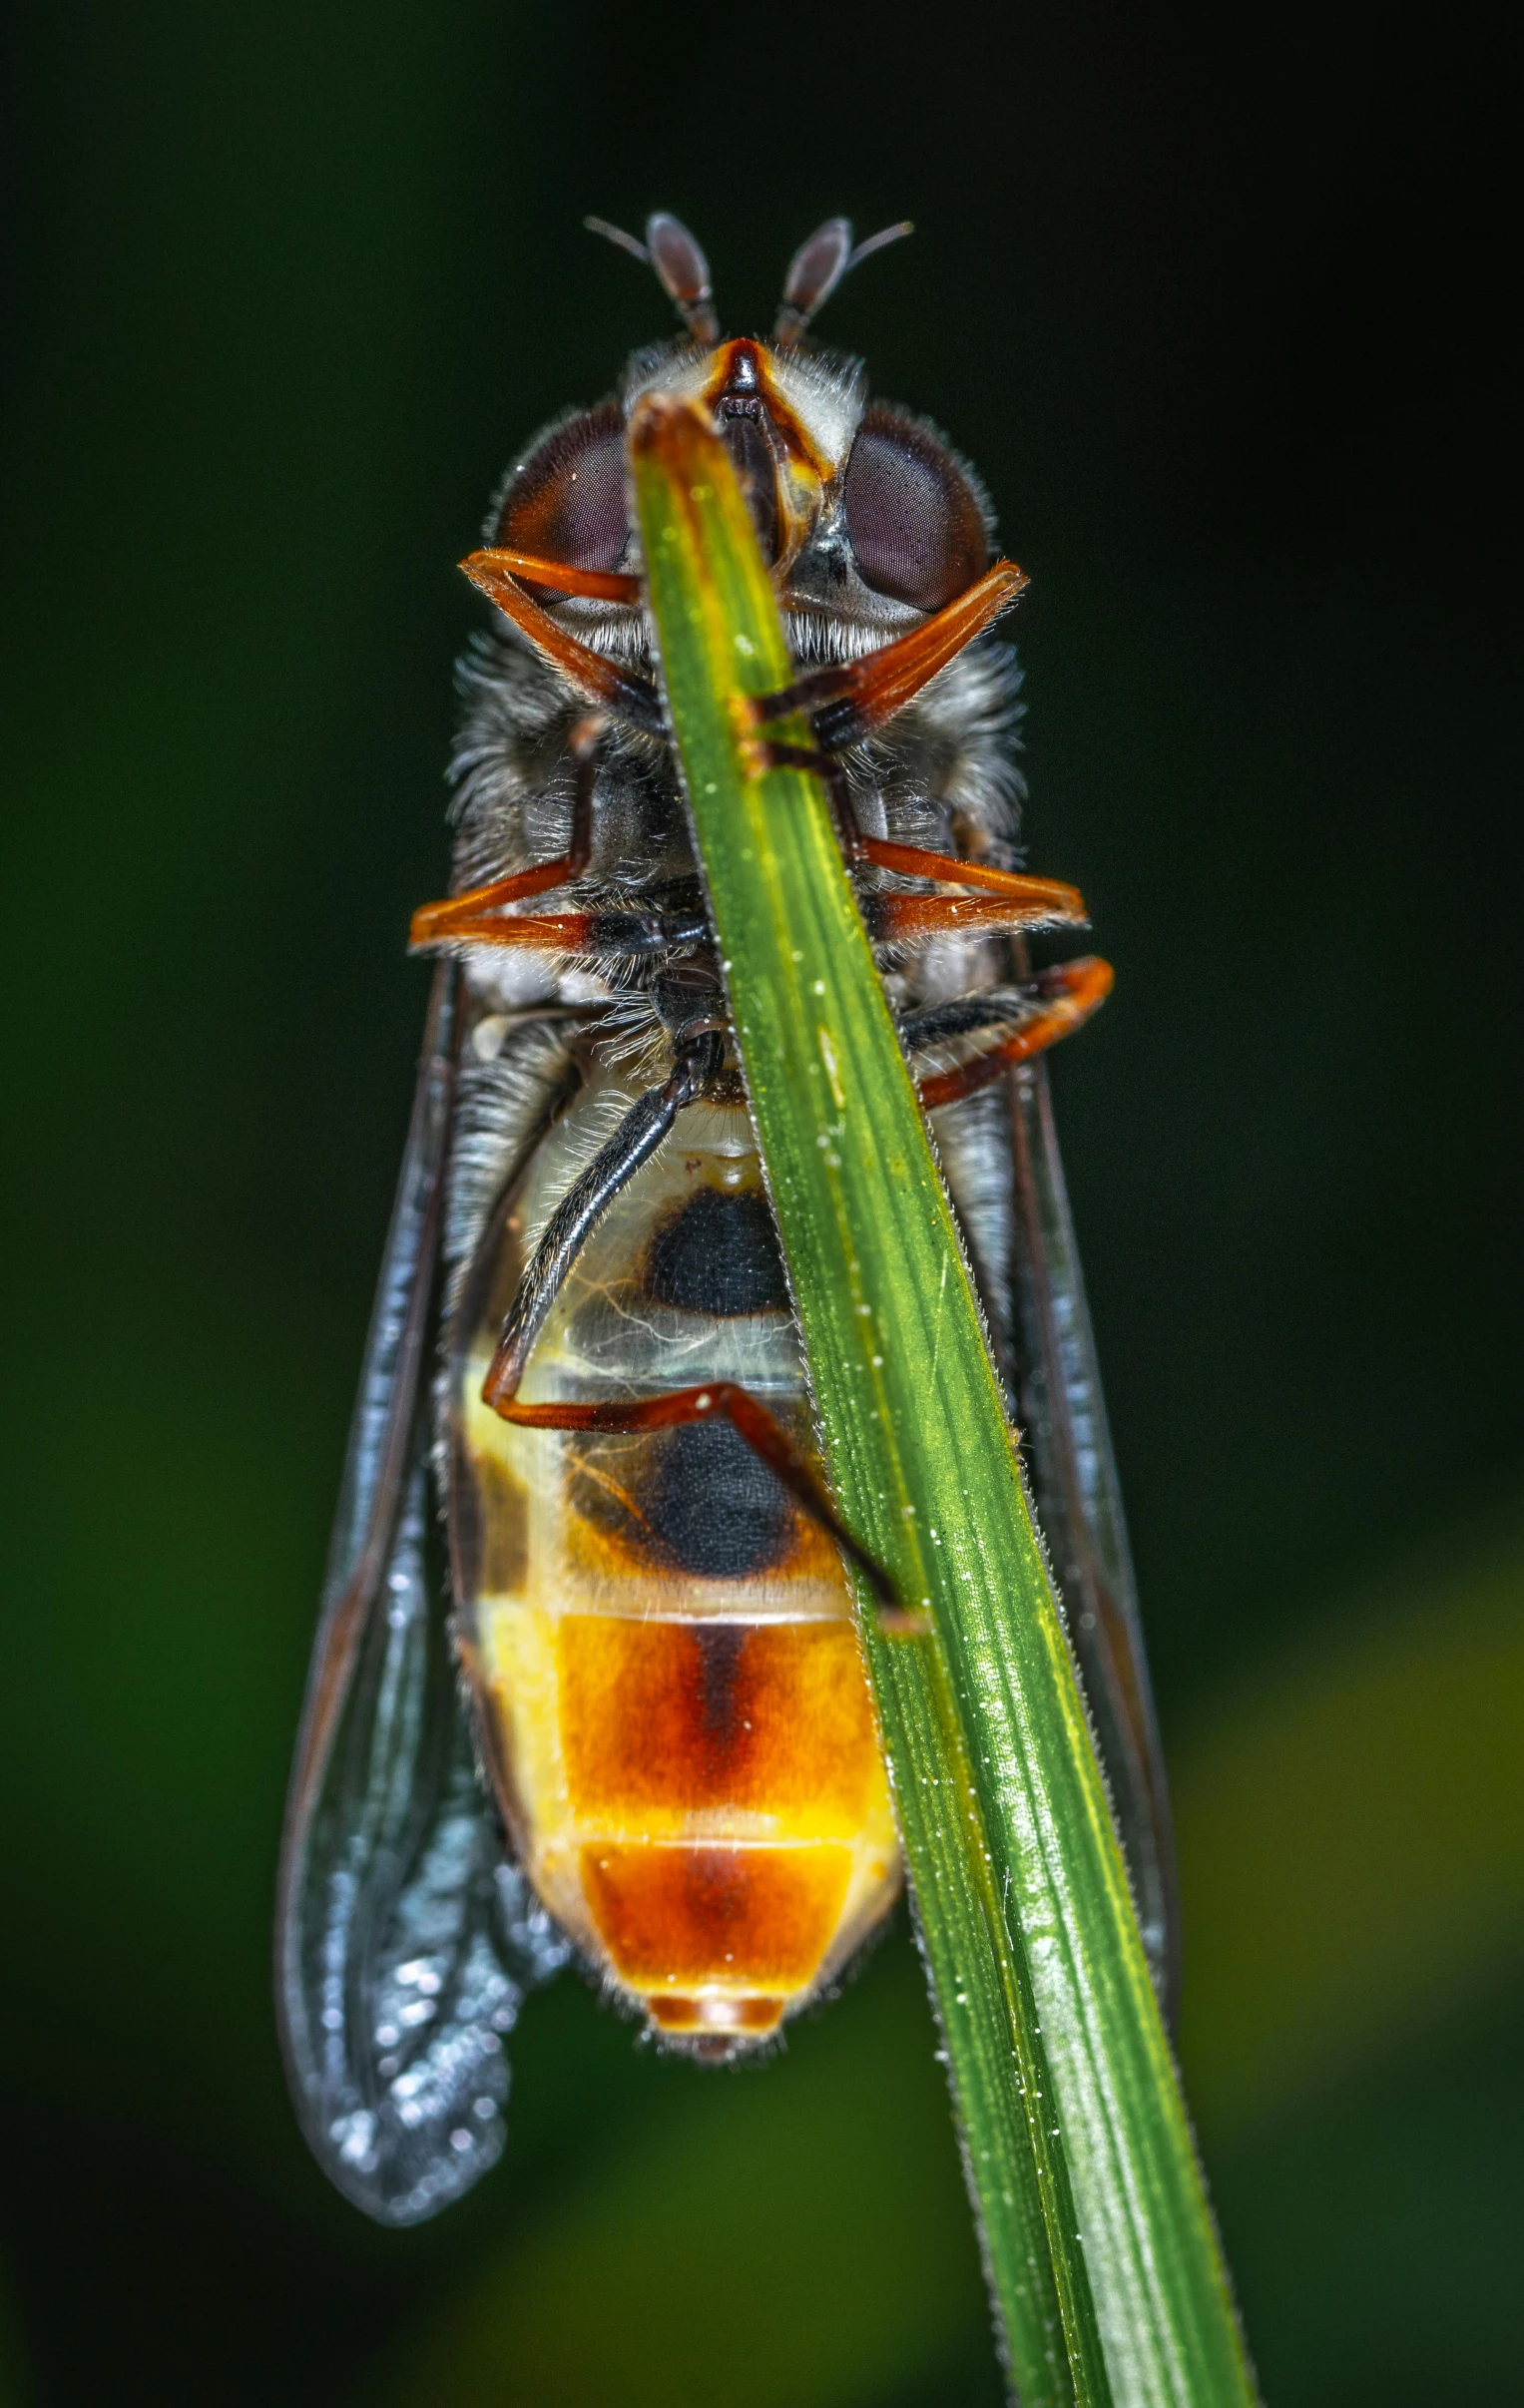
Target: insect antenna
(817,267)
(680,265)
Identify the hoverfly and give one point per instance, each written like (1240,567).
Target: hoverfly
(639,1732)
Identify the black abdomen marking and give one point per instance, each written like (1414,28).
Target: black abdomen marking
(721,1645)
(719,1253)
(712,1509)
(699,1502)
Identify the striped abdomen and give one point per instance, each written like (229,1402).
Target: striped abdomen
(669,1681)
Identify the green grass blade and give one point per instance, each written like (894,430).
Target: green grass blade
(1096,2234)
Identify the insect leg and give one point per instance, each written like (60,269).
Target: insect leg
(583,744)
(1043,901)
(1048,900)
(919,919)
(460,911)
(600,936)
(606,683)
(699,1063)
(1050,895)
(848,699)
(598,585)
(1021,1022)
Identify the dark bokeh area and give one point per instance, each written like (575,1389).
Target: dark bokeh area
(1221,304)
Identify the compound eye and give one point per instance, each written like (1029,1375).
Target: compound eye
(913,518)
(567,500)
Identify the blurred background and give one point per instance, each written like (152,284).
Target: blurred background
(1219,302)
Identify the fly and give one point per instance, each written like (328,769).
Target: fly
(586,1683)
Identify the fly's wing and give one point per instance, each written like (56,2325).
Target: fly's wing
(1068,1450)
(404,1940)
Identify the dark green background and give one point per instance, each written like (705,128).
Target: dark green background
(1219,303)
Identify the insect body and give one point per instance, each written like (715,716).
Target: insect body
(660,1636)
(584,1346)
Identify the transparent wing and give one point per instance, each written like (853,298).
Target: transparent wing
(1068,1450)
(404,1940)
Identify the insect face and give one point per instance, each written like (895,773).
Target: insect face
(853,507)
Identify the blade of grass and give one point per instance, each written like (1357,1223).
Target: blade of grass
(1095,2224)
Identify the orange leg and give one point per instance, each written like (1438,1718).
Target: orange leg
(622,691)
(600,935)
(919,919)
(597,585)
(465,914)
(462,913)
(545,932)
(1062,1000)
(1045,902)
(851,699)
(1049,895)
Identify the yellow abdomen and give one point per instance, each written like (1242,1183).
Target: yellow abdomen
(666,1672)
